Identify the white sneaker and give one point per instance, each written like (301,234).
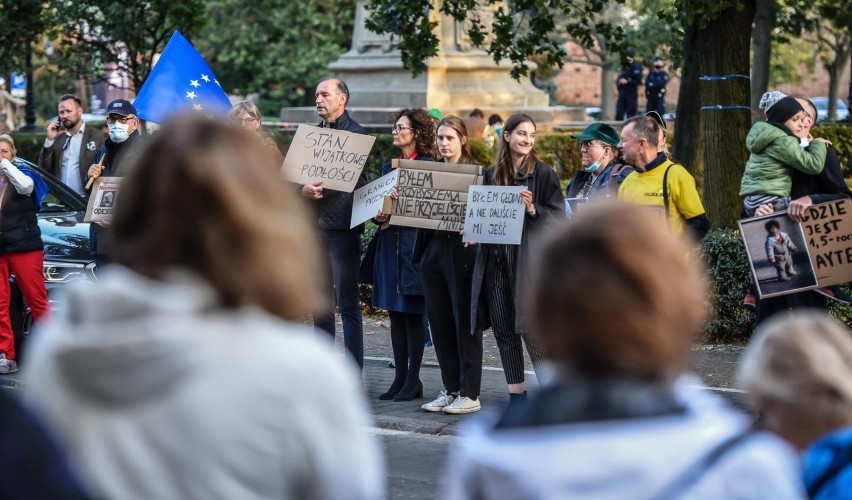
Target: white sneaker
(7,365)
(440,403)
(463,405)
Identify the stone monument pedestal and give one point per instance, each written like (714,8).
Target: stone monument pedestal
(459,79)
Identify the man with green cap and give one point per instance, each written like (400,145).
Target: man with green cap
(600,174)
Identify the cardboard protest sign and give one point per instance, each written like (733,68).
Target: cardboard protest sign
(827,229)
(369,199)
(495,214)
(333,157)
(790,257)
(102,200)
(432,195)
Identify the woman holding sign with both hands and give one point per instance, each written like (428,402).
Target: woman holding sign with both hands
(446,267)
(500,268)
(396,279)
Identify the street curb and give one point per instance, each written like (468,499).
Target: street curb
(392,423)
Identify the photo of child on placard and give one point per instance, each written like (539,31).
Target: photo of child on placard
(779,255)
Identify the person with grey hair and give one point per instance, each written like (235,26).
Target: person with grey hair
(798,373)
(659,182)
(247,115)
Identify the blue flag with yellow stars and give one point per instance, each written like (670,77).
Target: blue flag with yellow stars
(180,81)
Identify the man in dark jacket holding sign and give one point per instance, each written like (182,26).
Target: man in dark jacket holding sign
(334,210)
(112,161)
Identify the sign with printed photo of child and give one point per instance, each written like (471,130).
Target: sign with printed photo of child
(787,256)
(779,255)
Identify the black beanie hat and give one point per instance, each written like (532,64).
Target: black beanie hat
(783,110)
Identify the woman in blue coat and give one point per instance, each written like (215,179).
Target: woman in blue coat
(396,279)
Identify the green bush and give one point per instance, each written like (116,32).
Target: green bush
(28,145)
(841,140)
(729,274)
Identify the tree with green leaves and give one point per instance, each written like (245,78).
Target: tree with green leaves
(832,34)
(275,49)
(24,23)
(129,35)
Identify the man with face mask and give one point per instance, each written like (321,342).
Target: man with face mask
(117,152)
(601,174)
(70,146)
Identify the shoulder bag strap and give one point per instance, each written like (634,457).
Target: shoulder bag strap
(693,474)
(666,191)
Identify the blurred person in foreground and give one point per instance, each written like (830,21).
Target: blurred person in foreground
(798,373)
(184,373)
(621,418)
(247,115)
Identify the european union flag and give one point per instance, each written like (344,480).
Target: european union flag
(180,81)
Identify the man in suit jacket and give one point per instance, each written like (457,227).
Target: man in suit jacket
(69,154)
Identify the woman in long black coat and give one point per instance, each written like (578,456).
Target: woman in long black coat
(499,269)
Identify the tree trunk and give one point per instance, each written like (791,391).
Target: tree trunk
(723,49)
(761,44)
(609,72)
(835,69)
(687,147)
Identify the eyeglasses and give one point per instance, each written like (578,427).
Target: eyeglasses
(120,119)
(589,144)
(243,121)
(399,128)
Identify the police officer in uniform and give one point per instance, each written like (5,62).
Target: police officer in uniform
(629,80)
(655,87)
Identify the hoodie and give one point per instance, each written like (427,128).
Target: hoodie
(774,152)
(638,458)
(156,392)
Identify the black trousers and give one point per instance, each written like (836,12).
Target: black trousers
(500,295)
(447,290)
(626,105)
(344,248)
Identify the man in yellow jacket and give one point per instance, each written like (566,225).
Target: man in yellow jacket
(659,182)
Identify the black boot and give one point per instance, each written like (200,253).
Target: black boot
(400,355)
(413,388)
(417,393)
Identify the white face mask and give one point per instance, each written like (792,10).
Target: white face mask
(118,132)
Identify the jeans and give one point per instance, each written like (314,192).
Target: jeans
(344,249)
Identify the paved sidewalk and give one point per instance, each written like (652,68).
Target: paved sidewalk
(408,416)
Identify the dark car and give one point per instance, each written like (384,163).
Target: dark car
(67,256)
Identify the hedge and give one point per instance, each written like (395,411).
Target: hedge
(557,149)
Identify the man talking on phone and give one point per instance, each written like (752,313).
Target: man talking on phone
(70,147)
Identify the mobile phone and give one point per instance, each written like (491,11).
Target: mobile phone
(55,121)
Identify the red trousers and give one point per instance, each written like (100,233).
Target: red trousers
(27,267)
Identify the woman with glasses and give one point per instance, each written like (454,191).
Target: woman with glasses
(500,269)
(247,115)
(397,287)
(601,173)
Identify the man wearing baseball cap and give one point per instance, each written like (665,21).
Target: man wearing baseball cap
(601,174)
(112,161)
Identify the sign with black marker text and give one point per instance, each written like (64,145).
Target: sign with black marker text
(828,233)
(369,199)
(333,157)
(102,200)
(495,215)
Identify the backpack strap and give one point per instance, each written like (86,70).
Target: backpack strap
(615,173)
(694,473)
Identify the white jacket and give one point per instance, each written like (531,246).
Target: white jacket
(614,460)
(157,393)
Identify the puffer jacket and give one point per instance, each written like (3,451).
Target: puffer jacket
(774,151)
(828,466)
(335,207)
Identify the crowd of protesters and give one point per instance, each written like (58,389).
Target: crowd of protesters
(187,372)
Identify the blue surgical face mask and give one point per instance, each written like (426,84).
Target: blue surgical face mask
(118,132)
(596,165)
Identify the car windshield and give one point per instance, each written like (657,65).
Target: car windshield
(60,198)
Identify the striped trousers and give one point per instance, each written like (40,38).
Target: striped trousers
(500,296)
